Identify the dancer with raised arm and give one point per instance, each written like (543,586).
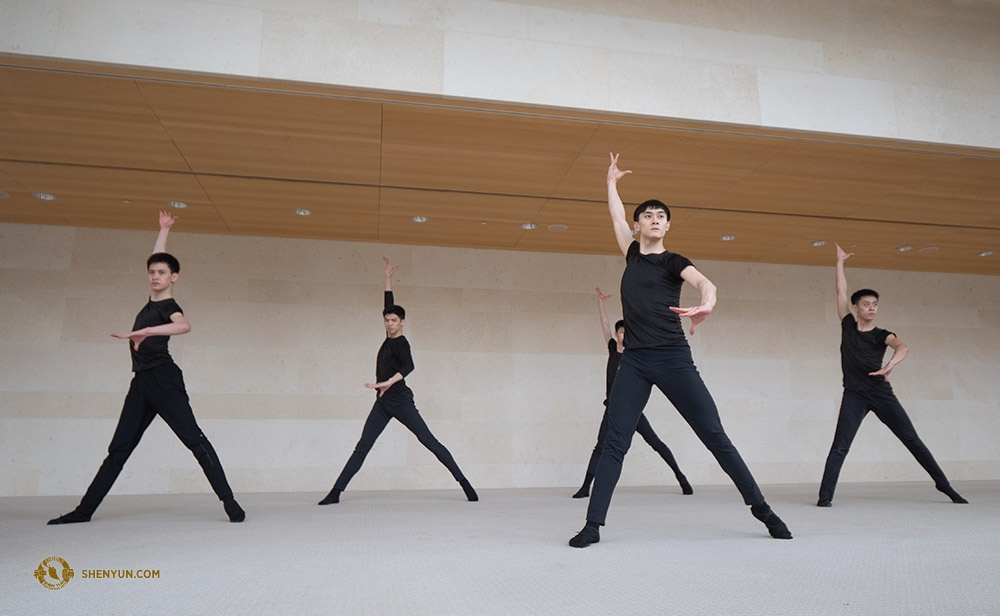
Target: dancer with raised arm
(616,344)
(867,388)
(394,400)
(657,353)
(157,389)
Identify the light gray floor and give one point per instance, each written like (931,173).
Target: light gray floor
(886,548)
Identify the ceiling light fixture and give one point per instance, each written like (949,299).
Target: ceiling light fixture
(43,196)
(483,222)
(303,212)
(727,238)
(926,250)
(557,228)
(419,218)
(528,226)
(904,249)
(985,253)
(180,205)
(819,243)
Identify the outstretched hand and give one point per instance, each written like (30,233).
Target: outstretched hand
(167,219)
(884,373)
(137,337)
(390,269)
(601,297)
(381,387)
(614,173)
(842,255)
(697,314)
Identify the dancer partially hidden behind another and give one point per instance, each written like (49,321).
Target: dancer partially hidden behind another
(394,400)
(616,344)
(657,353)
(867,388)
(157,389)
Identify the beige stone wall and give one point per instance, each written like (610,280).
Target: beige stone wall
(509,357)
(911,69)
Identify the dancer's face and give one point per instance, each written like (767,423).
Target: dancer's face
(393,325)
(620,335)
(160,277)
(652,224)
(867,307)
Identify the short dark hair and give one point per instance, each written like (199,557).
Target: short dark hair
(165,257)
(861,293)
(650,204)
(396,310)
(620,324)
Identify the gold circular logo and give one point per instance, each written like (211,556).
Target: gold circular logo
(51,577)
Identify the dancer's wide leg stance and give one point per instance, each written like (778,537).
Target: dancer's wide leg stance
(657,353)
(394,400)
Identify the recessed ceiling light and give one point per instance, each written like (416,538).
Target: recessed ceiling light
(985,253)
(819,243)
(926,250)
(43,196)
(727,238)
(303,212)
(180,205)
(419,218)
(557,228)
(528,226)
(483,222)
(904,249)
(126,201)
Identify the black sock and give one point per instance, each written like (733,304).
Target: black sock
(233,510)
(771,520)
(73,517)
(685,486)
(332,497)
(589,534)
(470,492)
(952,494)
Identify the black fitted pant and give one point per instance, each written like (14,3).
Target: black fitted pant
(157,391)
(399,406)
(854,406)
(673,372)
(646,431)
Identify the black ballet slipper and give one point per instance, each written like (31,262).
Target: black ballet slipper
(589,534)
(331,498)
(771,520)
(470,492)
(953,495)
(583,492)
(685,486)
(73,517)
(824,502)
(234,511)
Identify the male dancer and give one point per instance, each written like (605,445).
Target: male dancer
(157,389)
(616,344)
(867,388)
(657,353)
(394,400)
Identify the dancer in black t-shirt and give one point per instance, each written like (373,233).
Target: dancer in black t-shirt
(867,388)
(657,353)
(645,430)
(394,400)
(157,389)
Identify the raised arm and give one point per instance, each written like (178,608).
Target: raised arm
(698,313)
(390,269)
(167,220)
(843,303)
(605,323)
(623,230)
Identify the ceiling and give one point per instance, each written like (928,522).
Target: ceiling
(114,144)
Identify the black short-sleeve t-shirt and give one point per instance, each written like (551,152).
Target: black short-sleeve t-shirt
(860,354)
(153,351)
(650,285)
